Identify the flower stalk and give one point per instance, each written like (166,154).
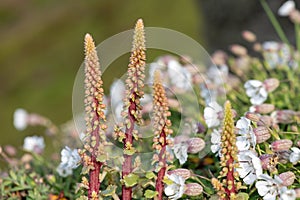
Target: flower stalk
(228,186)
(132,108)
(161,130)
(93,154)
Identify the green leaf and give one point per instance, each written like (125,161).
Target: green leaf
(110,190)
(101,158)
(150,194)
(242,196)
(130,151)
(130,180)
(167,181)
(150,175)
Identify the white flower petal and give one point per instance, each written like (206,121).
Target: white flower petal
(20,119)
(286,8)
(262,187)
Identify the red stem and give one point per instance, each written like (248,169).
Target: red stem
(94,182)
(127,164)
(230,177)
(162,159)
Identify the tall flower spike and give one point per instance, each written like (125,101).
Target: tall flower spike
(228,185)
(93,154)
(132,107)
(161,130)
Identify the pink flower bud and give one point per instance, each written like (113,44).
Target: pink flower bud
(249,36)
(195,145)
(184,173)
(262,134)
(281,145)
(219,57)
(283,116)
(252,116)
(269,162)
(265,160)
(238,50)
(271,84)
(287,178)
(10,150)
(295,16)
(193,189)
(265,120)
(298,143)
(180,138)
(297,190)
(263,108)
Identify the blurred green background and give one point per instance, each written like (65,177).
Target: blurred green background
(41,49)
(41,44)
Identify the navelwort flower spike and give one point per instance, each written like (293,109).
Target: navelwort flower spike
(134,92)
(227,184)
(93,154)
(161,130)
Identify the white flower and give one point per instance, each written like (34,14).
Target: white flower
(256,91)
(271,46)
(176,189)
(117,94)
(211,114)
(210,95)
(70,159)
(218,73)
(20,119)
(286,194)
(34,144)
(64,171)
(295,155)
(247,135)
(286,8)
(216,142)
(180,151)
(180,77)
(268,187)
(250,167)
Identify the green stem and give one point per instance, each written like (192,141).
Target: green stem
(274,22)
(297,35)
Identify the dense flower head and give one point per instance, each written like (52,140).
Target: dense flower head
(135,75)
(228,187)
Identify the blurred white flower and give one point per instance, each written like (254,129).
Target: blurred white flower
(212,114)
(216,142)
(70,160)
(20,119)
(218,74)
(286,194)
(208,94)
(247,136)
(286,8)
(256,91)
(117,94)
(181,151)
(180,77)
(176,189)
(268,187)
(250,167)
(34,144)
(295,155)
